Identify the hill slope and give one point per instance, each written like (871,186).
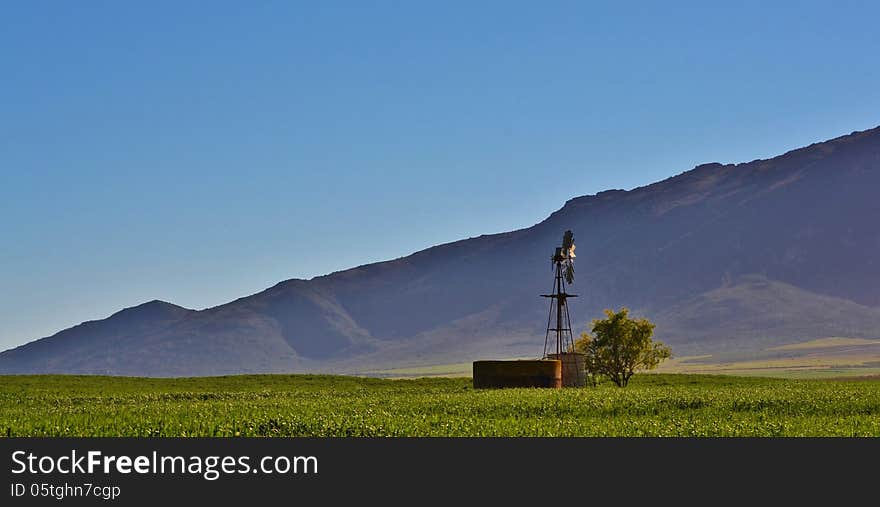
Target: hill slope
(798,233)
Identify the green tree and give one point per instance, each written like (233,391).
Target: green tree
(619,347)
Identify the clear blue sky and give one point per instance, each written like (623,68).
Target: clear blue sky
(196,152)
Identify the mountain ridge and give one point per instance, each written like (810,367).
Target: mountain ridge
(651,248)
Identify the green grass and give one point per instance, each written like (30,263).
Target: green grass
(315,405)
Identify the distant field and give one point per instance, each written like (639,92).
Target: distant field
(439,370)
(817,367)
(827,343)
(824,358)
(315,405)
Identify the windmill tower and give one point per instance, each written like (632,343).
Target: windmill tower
(559,341)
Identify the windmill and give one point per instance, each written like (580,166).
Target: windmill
(559,342)
(560,365)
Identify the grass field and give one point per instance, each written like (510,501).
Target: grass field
(314,405)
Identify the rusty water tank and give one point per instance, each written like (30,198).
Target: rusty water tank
(522,373)
(573,368)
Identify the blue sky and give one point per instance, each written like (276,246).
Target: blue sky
(196,152)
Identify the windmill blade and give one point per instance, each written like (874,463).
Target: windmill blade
(568,272)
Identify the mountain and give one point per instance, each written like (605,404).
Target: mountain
(723,257)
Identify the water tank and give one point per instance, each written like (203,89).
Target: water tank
(522,373)
(573,368)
